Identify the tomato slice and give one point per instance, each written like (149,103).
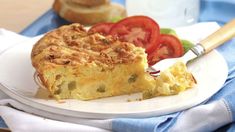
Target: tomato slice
(140,30)
(169,47)
(102,28)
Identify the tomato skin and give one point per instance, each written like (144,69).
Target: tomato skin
(102,28)
(140,30)
(169,47)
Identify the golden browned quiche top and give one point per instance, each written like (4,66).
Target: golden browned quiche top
(72,45)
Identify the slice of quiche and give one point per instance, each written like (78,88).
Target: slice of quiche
(73,64)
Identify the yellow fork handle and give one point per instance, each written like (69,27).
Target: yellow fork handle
(222,35)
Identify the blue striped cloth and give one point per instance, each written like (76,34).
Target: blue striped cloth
(220,11)
(2,124)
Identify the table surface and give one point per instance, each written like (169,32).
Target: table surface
(12,11)
(31,10)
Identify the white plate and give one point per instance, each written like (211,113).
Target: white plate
(16,77)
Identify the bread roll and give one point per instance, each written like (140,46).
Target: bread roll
(74,12)
(91,2)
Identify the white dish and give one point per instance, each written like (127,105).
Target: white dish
(16,77)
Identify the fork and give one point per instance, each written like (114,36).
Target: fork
(211,42)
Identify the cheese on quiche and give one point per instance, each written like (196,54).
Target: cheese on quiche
(73,64)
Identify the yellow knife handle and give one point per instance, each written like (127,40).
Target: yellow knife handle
(222,35)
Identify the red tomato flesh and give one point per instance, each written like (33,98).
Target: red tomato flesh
(102,28)
(140,30)
(169,47)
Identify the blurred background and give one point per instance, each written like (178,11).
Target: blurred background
(31,18)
